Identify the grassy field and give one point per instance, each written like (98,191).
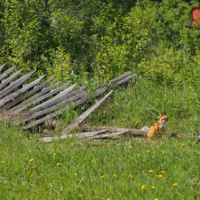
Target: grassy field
(122,168)
(117,169)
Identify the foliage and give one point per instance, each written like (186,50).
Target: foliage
(97,39)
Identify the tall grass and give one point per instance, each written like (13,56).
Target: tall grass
(121,169)
(141,103)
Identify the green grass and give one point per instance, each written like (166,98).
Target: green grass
(116,169)
(141,103)
(109,170)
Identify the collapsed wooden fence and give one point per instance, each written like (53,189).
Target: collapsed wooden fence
(32,104)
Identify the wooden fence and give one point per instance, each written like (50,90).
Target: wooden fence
(33,104)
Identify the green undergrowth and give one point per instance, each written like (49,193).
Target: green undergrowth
(142,101)
(116,169)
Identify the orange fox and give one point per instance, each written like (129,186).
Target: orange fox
(159,128)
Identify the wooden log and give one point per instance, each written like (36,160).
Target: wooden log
(1,68)
(8,71)
(16,84)
(17,101)
(44,91)
(115,134)
(78,135)
(40,99)
(8,80)
(22,90)
(134,132)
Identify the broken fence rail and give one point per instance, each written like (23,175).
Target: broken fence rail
(33,104)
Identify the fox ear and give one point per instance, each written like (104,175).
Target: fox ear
(166,114)
(160,115)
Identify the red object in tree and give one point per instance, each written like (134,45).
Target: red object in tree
(196,15)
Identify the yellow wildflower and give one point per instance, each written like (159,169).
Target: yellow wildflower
(148,151)
(138,155)
(143,160)
(143,187)
(2,161)
(130,147)
(52,150)
(135,195)
(164,152)
(183,145)
(153,156)
(80,195)
(163,172)
(175,184)
(29,150)
(31,160)
(108,198)
(60,178)
(120,195)
(156,199)
(130,176)
(150,171)
(114,175)
(143,171)
(75,174)
(160,176)
(153,187)
(58,164)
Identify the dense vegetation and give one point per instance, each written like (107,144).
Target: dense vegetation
(93,41)
(101,39)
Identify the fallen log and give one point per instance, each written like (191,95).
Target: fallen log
(78,135)
(135,132)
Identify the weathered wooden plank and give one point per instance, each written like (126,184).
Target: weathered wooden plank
(121,77)
(40,99)
(16,84)
(77,94)
(78,135)
(22,90)
(8,80)
(17,101)
(2,67)
(8,71)
(58,112)
(82,117)
(44,91)
(53,100)
(134,132)
(109,135)
(125,80)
